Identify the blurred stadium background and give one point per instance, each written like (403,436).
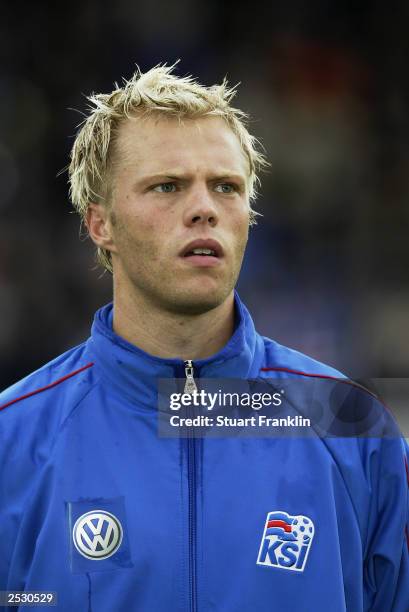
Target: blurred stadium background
(327,85)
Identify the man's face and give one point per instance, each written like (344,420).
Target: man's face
(179,188)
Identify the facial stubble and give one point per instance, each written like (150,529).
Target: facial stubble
(159,286)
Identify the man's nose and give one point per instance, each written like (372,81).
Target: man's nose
(200,208)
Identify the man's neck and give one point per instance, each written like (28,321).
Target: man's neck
(172,335)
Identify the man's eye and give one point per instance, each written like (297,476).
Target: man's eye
(226,188)
(165,188)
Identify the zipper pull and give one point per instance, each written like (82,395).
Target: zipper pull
(190,385)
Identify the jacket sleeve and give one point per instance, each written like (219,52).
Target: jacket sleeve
(26,437)
(17,473)
(386,570)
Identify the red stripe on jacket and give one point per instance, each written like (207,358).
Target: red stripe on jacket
(53,384)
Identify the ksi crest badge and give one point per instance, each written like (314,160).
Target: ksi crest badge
(286,541)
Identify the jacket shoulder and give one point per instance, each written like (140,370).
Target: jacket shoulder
(280,358)
(62,381)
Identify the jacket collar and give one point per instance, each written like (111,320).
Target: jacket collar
(134,372)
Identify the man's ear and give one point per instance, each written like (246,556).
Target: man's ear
(98,222)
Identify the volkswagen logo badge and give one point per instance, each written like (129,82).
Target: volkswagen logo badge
(97,534)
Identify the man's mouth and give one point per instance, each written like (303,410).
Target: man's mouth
(203,248)
(203,252)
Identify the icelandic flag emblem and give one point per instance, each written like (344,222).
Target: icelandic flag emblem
(286,541)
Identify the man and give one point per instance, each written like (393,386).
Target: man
(95,505)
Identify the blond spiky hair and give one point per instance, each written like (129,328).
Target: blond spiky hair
(156,91)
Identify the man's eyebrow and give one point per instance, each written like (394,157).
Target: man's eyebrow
(230,176)
(146,178)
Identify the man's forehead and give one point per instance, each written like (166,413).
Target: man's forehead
(157,141)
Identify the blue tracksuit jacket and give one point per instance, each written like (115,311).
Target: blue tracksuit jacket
(98,508)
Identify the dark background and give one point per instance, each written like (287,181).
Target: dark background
(327,86)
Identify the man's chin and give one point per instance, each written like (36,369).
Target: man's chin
(197,302)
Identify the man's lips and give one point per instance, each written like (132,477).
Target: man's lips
(203,243)
(204,260)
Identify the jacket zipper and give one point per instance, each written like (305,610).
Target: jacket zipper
(190,387)
(190,384)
